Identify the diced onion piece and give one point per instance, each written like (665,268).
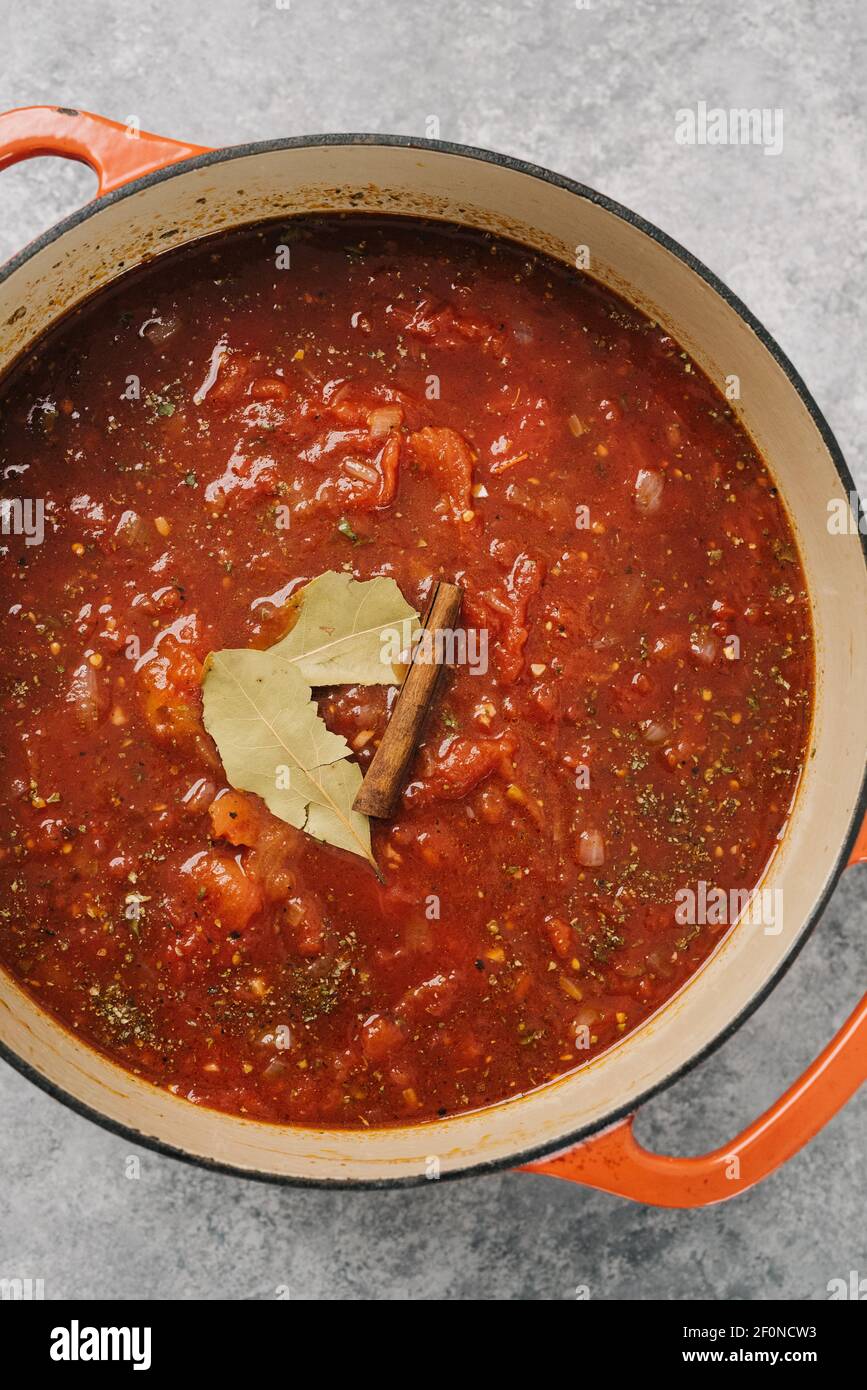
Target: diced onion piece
(383,419)
(199,796)
(294,912)
(83,693)
(648,491)
(276,1070)
(585,1017)
(131,529)
(660,962)
(705,647)
(655,732)
(576,426)
(669,646)
(364,471)
(490,805)
(591,849)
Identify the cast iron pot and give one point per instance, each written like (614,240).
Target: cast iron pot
(155,195)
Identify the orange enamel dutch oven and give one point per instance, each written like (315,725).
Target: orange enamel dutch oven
(157,194)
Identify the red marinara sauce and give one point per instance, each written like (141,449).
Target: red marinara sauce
(427,402)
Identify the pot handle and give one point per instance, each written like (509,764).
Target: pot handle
(116,153)
(614,1161)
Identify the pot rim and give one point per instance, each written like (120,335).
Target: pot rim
(547,176)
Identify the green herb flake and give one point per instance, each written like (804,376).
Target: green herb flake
(345,528)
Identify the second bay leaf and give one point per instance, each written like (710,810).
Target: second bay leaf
(345,628)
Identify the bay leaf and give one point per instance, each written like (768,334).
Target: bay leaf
(349,631)
(259,711)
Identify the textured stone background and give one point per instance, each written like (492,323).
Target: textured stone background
(593,94)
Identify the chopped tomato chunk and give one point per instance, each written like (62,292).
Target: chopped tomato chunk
(226,890)
(235,818)
(448,456)
(457,765)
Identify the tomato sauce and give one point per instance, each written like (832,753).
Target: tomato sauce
(393,398)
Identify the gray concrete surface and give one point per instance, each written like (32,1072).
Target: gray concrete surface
(592,93)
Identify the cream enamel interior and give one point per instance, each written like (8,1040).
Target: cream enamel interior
(361,176)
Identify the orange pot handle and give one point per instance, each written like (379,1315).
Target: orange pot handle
(116,153)
(614,1161)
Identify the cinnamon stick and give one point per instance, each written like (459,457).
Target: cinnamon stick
(384,778)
